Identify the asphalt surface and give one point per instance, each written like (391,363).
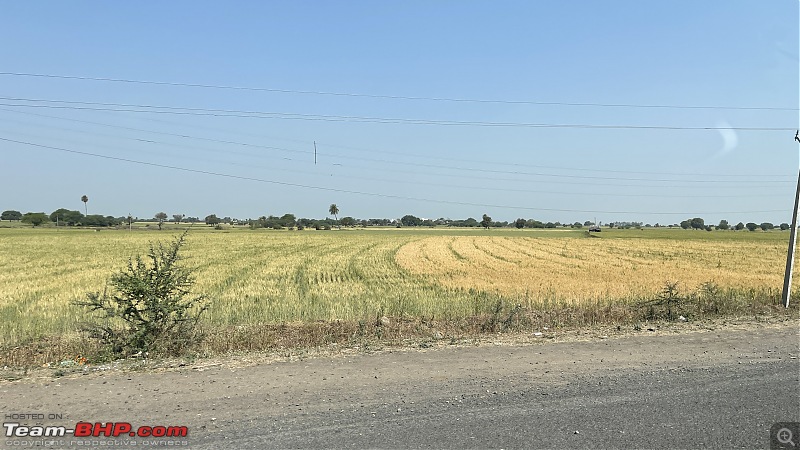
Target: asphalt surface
(704,408)
(714,389)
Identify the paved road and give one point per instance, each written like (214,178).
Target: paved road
(724,407)
(716,389)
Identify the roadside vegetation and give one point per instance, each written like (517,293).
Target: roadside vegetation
(148,306)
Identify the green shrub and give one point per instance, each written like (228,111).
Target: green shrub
(148,308)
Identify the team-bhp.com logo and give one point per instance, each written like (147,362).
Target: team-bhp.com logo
(97,429)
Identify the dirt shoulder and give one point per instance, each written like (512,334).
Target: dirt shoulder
(139,365)
(210,395)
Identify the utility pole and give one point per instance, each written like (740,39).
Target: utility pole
(787,276)
(315,153)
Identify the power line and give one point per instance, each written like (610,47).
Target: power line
(346,191)
(416,182)
(378,151)
(152,109)
(538,166)
(435,166)
(398,97)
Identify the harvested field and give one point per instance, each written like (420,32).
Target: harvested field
(577,269)
(425,280)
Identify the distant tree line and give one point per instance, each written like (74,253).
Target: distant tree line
(285,221)
(698,223)
(533,223)
(63,217)
(72,218)
(408,220)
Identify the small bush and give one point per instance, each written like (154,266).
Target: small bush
(494,322)
(148,308)
(668,305)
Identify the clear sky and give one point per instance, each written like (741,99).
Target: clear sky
(398,142)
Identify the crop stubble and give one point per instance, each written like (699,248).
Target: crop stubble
(254,277)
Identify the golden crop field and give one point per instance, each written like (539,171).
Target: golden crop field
(577,270)
(266,276)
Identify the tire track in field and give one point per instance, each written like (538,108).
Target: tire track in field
(554,255)
(484,246)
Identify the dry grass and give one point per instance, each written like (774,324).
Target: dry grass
(275,289)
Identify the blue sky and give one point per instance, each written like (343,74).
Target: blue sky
(408,61)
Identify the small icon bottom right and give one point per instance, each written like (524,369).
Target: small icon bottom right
(784,435)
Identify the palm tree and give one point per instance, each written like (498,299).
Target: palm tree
(85,199)
(333,209)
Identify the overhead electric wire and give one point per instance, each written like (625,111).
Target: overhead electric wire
(397,97)
(539,166)
(152,109)
(387,180)
(377,151)
(434,166)
(346,191)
